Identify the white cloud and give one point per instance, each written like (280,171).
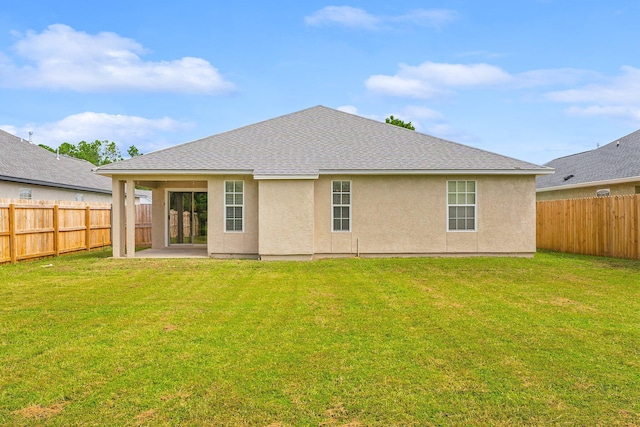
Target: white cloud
(553,77)
(433,123)
(351,109)
(402,86)
(14,131)
(621,112)
(62,58)
(343,15)
(353,17)
(430,79)
(146,134)
(623,89)
(456,74)
(616,97)
(436,18)
(416,112)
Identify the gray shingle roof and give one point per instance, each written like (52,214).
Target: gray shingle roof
(21,161)
(617,160)
(319,139)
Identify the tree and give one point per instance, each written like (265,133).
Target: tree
(133,151)
(97,152)
(46,147)
(397,122)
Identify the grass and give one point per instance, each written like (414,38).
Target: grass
(553,340)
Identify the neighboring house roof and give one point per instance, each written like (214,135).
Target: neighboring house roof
(21,161)
(618,161)
(145,196)
(320,140)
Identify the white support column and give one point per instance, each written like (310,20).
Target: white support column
(131,218)
(117,211)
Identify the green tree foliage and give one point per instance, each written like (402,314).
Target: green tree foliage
(133,151)
(397,122)
(97,152)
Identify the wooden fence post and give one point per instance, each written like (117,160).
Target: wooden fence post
(87,223)
(56,230)
(13,243)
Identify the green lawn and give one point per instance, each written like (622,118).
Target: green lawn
(554,340)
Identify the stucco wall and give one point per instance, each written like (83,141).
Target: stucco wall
(407,215)
(11,190)
(506,214)
(391,215)
(578,193)
(221,242)
(286,218)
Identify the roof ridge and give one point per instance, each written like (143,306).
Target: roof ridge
(324,138)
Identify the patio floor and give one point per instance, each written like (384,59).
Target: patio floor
(175,252)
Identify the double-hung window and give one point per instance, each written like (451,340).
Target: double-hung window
(341,205)
(234,205)
(461,205)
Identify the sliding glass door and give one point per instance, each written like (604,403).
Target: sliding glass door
(187,217)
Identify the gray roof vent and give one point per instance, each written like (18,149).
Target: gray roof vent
(568,177)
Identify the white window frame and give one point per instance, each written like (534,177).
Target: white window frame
(342,205)
(465,205)
(79,197)
(603,192)
(24,191)
(233,205)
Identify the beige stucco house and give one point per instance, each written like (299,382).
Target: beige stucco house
(610,170)
(324,183)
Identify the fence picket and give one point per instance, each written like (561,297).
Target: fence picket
(602,226)
(35,229)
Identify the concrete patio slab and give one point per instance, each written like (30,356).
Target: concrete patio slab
(174,252)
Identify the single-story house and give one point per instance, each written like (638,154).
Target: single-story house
(610,170)
(325,183)
(29,172)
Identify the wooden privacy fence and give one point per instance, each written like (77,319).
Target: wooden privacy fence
(143,225)
(602,226)
(38,229)
(34,230)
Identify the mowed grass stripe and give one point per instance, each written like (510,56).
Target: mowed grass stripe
(86,340)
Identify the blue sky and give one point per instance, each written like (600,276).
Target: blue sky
(531,79)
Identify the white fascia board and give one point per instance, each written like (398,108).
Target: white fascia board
(547,171)
(142,172)
(590,184)
(265,177)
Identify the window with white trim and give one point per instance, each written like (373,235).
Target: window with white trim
(25,194)
(461,205)
(341,205)
(79,197)
(234,206)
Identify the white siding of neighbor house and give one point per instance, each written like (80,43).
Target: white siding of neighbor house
(11,190)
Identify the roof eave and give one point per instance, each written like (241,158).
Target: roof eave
(544,171)
(314,175)
(53,184)
(143,172)
(589,184)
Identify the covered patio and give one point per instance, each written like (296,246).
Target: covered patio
(179,216)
